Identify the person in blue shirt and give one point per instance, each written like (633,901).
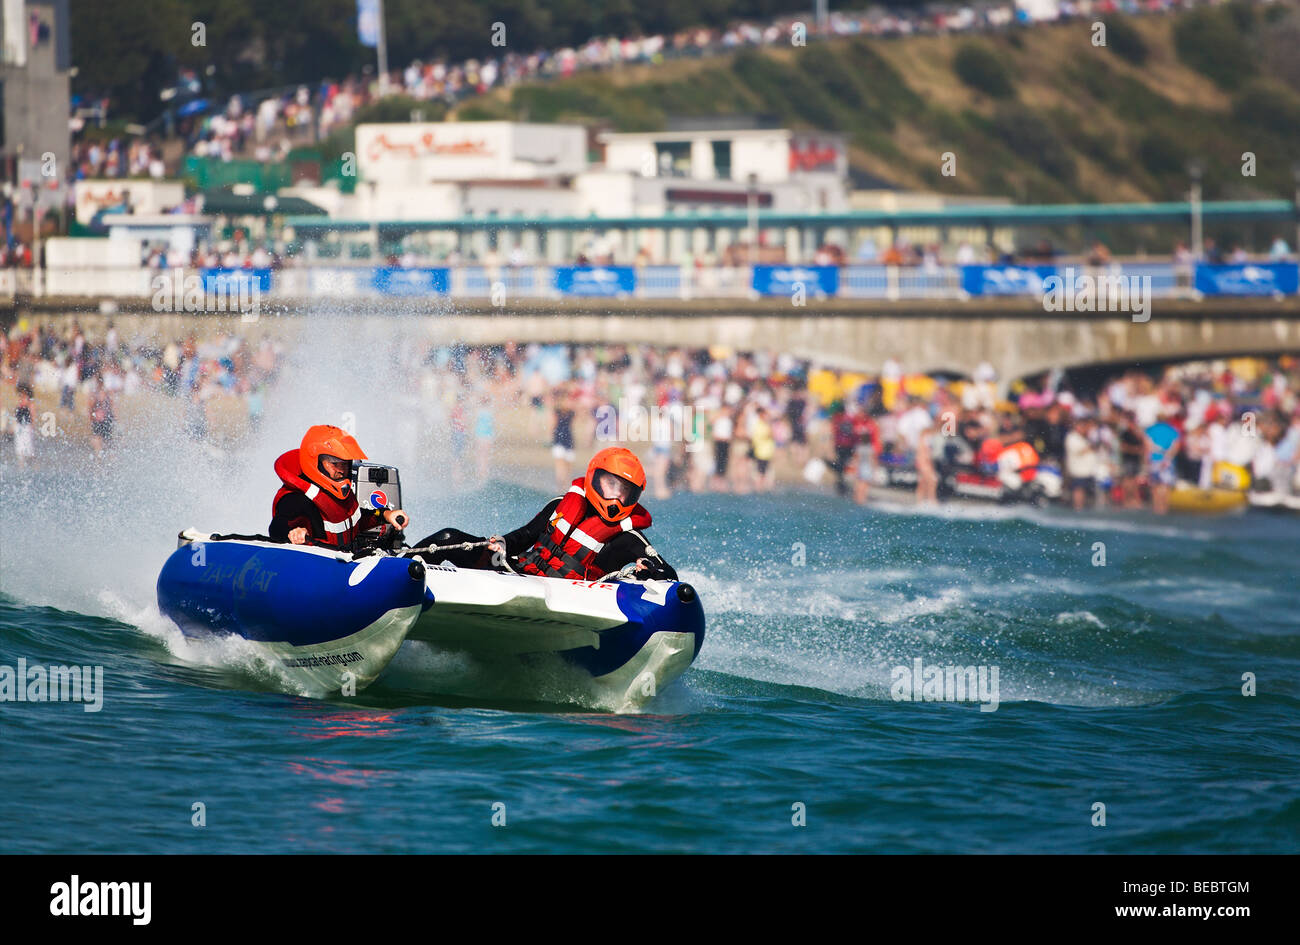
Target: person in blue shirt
(1162,444)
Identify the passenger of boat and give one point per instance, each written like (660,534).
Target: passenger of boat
(593,530)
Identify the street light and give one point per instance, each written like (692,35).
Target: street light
(752,202)
(1295,173)
(1196,168)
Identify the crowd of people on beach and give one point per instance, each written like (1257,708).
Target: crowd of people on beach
(726,421)
(96,376)
(721,420)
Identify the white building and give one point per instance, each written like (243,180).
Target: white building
(772,155)
(713,171)
(429,172)
(435,171)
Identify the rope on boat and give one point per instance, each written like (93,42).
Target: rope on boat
(621,574)
(461,546)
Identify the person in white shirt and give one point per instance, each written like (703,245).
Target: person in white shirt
(1216,443)
(913,428)
(1081,462)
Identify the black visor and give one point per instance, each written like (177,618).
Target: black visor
(326,460)
(616,488)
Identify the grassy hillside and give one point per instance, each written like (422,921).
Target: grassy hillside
(1035,114)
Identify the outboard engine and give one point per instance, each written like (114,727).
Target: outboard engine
(378,488)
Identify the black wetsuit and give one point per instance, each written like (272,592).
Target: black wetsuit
(296,510)
(293,508)
(623,549)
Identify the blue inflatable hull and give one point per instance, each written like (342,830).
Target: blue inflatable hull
(318,615)
(681,612)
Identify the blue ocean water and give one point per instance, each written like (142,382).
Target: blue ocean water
(1119,684)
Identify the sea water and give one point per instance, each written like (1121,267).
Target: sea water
(1124,684)
(881,679)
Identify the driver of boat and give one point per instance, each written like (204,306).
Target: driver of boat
(594,529)
(316,504)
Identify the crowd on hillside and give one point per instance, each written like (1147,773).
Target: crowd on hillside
(267,128)
(116,157)
(38,364)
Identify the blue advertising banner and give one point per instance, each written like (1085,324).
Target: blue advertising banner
(1006,280)
(595,280)
(393,281)
(1248,279)
(234,281)
(817,281)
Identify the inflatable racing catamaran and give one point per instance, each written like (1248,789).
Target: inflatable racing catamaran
(334,619)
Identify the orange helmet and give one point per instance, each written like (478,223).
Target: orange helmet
(324,443)
(614,482)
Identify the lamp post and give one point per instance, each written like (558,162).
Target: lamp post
(1295,173)
(752,203)
(1196,169)
(269,205)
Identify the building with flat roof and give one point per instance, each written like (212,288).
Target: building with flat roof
(770,155)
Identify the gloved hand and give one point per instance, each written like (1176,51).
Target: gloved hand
(648,569)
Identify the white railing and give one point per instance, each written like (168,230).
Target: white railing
(867,281)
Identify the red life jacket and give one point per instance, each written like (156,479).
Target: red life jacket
(577,534)
(342,518)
